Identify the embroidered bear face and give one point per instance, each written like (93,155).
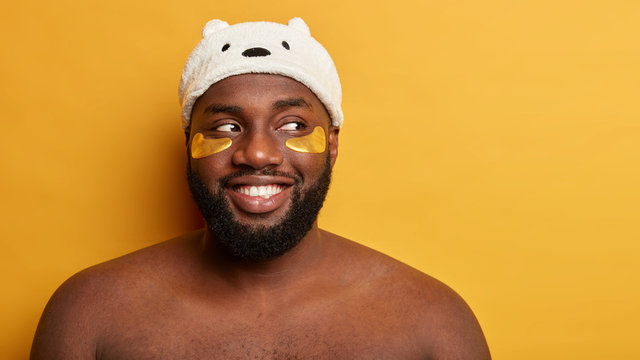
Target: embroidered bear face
(238,38)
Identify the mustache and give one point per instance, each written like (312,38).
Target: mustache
(265,172)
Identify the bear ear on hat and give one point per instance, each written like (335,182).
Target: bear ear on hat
(299,24)
(213,26)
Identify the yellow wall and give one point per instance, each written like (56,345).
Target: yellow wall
(492,144)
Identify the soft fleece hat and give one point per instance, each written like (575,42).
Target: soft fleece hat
(260,47)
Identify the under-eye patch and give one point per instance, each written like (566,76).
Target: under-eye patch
(313,143)
(202,147)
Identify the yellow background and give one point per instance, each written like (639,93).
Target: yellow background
(492,144)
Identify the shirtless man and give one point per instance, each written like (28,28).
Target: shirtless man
(261,111)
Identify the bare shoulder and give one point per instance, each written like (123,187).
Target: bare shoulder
(82,308)
(444,324)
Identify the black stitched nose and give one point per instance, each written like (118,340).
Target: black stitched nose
(256,52)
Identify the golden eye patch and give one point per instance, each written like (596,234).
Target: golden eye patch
(313,143)
(201,147)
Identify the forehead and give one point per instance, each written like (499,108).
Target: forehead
(256,90)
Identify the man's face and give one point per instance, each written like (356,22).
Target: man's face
(258,195)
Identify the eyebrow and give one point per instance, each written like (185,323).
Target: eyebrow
(293,102)
(221,108)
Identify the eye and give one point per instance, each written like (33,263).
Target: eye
(292,126)
(225,47)
(285,45)
(227,128)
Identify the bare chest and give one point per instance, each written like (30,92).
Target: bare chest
(311,333)
(300,345)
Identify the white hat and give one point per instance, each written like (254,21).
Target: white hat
(260,47)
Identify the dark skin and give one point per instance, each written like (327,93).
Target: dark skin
(327,298)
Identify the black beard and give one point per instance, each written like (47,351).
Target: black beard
(259,243)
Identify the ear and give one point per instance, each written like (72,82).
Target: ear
(299,24)
(187,135)
(333,143)
(213,26)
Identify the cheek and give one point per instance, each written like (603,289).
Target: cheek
(201,147)
(313,143)
(308,166)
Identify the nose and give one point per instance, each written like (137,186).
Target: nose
(258,151)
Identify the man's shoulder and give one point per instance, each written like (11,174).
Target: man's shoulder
(154,263)
(384,271)
(415,301)
(88,301)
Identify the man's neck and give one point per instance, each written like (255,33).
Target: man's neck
(272,273)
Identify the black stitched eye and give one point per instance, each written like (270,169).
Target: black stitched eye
(285,45)
(225,47)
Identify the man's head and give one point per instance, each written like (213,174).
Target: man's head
(261,145)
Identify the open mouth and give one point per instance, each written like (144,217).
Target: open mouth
(263,191)
(258,194)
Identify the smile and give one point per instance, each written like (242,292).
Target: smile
(259,194)
(263,191)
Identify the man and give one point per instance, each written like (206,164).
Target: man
(261,111)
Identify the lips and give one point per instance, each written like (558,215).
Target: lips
(258,194)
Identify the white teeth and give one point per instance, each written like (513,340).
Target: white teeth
(264,192)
